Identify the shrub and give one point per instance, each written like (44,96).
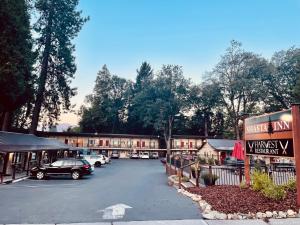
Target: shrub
(209,179)
(291,185)
(211,161)
(243,185)
(275,192)
(260,180)
(185,179)
(217,162)
(202,160)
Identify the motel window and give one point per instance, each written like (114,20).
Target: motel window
(143,144)
(101,142)
(66,141)
(138,144)
(129,143)
(116,142)
(182,144)
(152,144)
(33,156)
(91,142)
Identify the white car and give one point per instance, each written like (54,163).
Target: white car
(107,159)
(95,160)
(145,155)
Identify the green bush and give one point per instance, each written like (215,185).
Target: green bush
(202,160)
(291,185)
(243,185)
(217,162)
(260,180)
(209,179)
(275,192)
(211,161)
(262,183)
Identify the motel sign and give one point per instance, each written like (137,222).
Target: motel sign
(270,135)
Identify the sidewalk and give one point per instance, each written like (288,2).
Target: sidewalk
(19,177)
(290,221)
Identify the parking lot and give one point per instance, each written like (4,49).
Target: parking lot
(140,185)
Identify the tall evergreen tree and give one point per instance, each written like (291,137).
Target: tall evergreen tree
(143,81)
(107,111)
(16,58)
(58,24)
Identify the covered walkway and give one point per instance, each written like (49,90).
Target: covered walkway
(20,152)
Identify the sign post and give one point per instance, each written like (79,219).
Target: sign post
(296,142)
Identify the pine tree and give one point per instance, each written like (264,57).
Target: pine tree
(16,58)
(58,24)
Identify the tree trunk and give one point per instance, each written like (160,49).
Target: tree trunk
(237,130)
(6,121)
(42,79)
(205,127)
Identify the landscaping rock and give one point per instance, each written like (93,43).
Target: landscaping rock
(196,198)
(281,214)
(291,213)
(275,214)
(269,214)
(209,216)
(235,216)
(259,215)
(221,216)
(229,216)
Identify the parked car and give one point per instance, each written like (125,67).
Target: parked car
(115,155)
(231,161)
(134,156)
(145,155)
(154,155)
(107,159)
(96,160)
(74,167)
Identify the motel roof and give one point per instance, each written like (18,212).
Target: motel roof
(222,144)
(19,142)
(74,134)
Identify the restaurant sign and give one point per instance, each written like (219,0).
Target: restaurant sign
(278,147)
(270,134)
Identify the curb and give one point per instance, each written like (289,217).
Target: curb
(16,180)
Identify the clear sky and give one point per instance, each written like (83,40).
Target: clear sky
(191,33)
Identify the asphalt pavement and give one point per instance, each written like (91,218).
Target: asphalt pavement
(135,189)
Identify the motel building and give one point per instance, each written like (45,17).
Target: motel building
(126,144)
(189,144)
(101,143)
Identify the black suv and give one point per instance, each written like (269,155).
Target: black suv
(74,167)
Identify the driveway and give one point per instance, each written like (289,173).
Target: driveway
(139,184)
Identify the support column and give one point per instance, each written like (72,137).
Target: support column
(296,143)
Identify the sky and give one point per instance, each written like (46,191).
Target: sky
(190,33)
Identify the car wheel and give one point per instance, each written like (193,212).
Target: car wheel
(40,175)
(75,175)
(97,164)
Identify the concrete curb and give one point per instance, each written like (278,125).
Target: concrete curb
(16,180)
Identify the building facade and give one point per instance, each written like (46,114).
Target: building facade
(125,144)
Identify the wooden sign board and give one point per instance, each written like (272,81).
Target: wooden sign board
(270,135)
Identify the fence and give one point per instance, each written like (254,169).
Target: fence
(232,175)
